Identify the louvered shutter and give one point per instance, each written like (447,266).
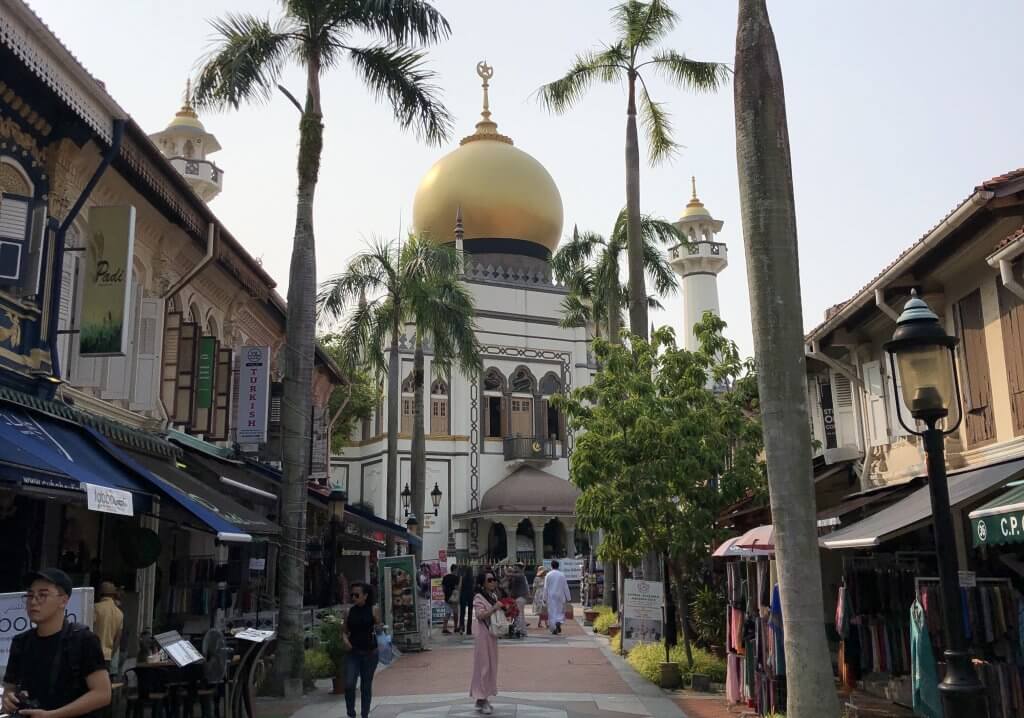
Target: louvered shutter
(169,361)
(874,398)
(200,422)
(842,397)
(1011,316)
(236,364)
(223,395)
(14,237)
(31,283)
(894,398)
(147,355)
(117,378)
(188,343)
(977,390)
(67,337)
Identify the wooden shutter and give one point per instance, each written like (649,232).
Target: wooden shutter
(845,418)
(1011,317)
(894,397)
(978,417)
(118,376)
(147,355)
(14,237)
(185,372)
(522,416)
(406,426)
(236,363)
(203,417)
(223,395)
(31,282)
(505,416)
(439,416)
(67,327)
(169,361)
(874,404)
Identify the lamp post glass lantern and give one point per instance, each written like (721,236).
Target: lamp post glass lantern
(406,499)
(435,498)
(925,357)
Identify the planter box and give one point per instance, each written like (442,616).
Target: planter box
(671,678)
(589,617)
(613,631)
(700,682)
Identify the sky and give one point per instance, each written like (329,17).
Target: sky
(896,111)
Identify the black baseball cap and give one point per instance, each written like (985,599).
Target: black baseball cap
(51,575)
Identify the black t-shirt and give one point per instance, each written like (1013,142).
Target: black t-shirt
(448,583)
(33,657)
(360,624)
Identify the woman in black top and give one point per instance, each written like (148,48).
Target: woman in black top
(361,642)
(466,601)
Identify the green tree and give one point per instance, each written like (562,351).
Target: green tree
(353,402)
(244,65)
(667,439)
(639,28)
(590,266)
(382,291)
(773,275)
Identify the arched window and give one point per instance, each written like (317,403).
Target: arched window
(194,315)
(495,414)
(439,421)
(211,328)
(523,381)
(190,151)
(408,399)
(551,418)
(14,179)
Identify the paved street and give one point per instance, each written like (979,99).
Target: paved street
(542,676)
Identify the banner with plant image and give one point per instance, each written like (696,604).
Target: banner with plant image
(107,281)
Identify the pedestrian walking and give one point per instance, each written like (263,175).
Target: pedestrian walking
(539,599)
(556,593)
(108,621)
(450,586)
(361,643)
(485,645)
(519,590)
(58,665)
(466,589)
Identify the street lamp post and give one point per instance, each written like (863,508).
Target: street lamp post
(435,498)
(924,354)
(406,499)
(336,507)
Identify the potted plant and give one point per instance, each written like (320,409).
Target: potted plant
(332,641)
(706,613)
(589,616)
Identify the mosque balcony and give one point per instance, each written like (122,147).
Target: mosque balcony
(531,448)
(699,257)
(199,171)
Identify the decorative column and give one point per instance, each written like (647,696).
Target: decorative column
(538,523)
(570,537)
(511,526)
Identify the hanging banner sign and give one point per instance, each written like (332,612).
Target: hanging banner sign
(399,601)
(642,612)
(205,368)
(107,281)
(108,500)
(438,606)
(828,416)
(253,395)
(14,620)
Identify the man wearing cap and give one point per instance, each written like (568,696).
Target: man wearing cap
(108,621)
(55,670)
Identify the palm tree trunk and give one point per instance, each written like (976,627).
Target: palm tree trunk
(394,390)
(769,231)
(418,473)
(614,318)
(296,410)
(634,240)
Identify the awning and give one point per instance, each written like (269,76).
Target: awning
(863,499)
(235,474)
(41,452)
(916,508)
(730,549)
(362,522)
(1001,520)
(761,538)
(214,511)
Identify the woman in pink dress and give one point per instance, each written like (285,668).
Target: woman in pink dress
(485,645)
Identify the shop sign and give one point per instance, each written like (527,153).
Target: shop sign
(107,282)
(438,606)
(828,416)
(398,589)
(999,529)
(254,395)
(642,612)
(13,619)
(108,500)
(205,369)
(968,579)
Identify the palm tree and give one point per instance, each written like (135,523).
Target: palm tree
(769,232)
(245,65)
(639,26)
(590,266)
(417,283)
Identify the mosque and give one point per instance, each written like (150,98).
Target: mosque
(497,452)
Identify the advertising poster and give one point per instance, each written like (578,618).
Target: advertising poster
(571,567)
(642,612)
(253,395)
(398,597)
(438,607)
(14,620)
(107,281)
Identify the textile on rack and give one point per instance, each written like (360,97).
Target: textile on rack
(924,674)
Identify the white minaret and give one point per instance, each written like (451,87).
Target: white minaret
(186,143)
(698,264)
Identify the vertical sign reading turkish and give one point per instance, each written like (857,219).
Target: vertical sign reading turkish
(205,367)
(108,280)
(253,394)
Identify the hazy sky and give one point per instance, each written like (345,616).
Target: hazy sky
(896,111)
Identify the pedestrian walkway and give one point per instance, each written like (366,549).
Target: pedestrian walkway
(542,676)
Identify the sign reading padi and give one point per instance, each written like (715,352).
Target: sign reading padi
(253,395)
(108,279)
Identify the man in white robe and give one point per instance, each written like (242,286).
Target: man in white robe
(556,590)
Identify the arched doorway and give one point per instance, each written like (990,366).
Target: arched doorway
(497,542)
(554,539)
(524,542)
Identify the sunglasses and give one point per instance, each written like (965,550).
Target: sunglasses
(490,579)
(354,596)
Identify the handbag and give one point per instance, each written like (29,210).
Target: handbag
(385,650)
(498,625)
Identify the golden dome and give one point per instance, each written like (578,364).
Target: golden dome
(503,192)
(695,208)
(186,116)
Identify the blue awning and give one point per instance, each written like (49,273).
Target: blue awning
(38,451)
(373,521)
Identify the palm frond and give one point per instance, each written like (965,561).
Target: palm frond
(691,74)
(408,22)
(588,67)
(657,128)
(575,253)
(367,274)
(658,269)
(576,311)
(245,61)
(661,231)
(401,77)
(642,24)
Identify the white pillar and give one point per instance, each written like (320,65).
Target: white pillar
(570,537)
(511,525)
(538,523)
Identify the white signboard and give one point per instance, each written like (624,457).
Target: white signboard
(14,620)
(642,612)
(108,500)
(571,567)
(253,395)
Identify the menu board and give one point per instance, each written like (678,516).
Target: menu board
(438,606)
(398,594)
(180,650)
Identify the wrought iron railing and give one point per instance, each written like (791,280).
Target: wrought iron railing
(530,448)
